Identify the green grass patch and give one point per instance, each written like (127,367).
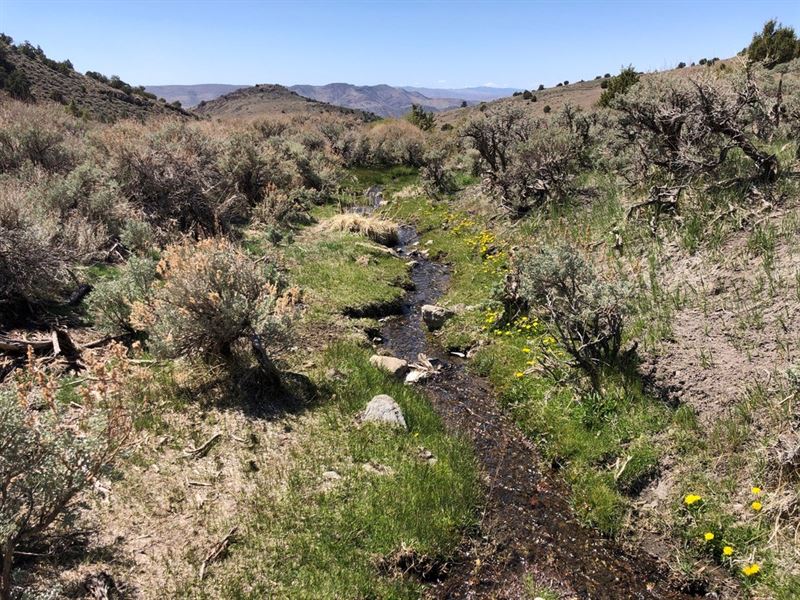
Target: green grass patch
(327,540)
(343,272)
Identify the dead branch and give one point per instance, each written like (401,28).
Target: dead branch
(203,450)
(219,549)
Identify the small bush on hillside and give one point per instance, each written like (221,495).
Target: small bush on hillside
(389,143)
(137,237)
(28,139)
(51,451)
(682,132)
(618,85)
(212,298)
(681,65)
(111,301)
(282,210)
(172,176)
(525,163)
(421,118)
(527,95)
(585,315)
(436,177)
(18,85)
(547,108)
(88,192)
(775,44)
(541,87)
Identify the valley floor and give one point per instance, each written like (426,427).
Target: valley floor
(508,483)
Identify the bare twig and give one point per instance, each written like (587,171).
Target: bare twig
(217,551)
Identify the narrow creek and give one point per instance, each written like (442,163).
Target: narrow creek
(527,525)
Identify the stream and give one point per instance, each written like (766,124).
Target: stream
(527,525)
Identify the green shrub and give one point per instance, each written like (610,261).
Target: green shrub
(18,85)
(137,236)
(421,118)
(585,315)
(618,85)
(111,300)
(775,44)
(547,109)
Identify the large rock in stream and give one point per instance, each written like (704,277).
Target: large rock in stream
(384,409)
(435,316)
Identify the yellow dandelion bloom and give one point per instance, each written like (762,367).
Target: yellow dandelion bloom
(526,350)
(756,505)
(751,570)
(519,374)
(691,499)
(756,490)
(708,536)
(727,550)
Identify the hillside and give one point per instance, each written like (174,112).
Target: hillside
(383,100)
(582,94)
(265,100)
(191,95)
(47,80)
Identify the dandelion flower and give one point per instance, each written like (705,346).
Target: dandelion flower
(756,505)
(519,374)
(756,490)
(708,536)
(691,499)
(526,350)
(727,550)
(751,570)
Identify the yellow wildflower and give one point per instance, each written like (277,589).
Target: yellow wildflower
(691,499)
(526,350)
(756,505)
(727,550)
(519,374)
(756,490)
(708,536)
(751,570)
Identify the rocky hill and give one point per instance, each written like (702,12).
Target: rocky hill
(263,100)
(30,75)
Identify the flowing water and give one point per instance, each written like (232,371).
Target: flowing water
(527,525)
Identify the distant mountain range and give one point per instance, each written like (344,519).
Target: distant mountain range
(471,94)
(192,95)
(383,100)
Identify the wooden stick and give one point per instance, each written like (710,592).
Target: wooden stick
(217,551)
(203,450)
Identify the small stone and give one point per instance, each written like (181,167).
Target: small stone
(331,475)
(396,366)
(383,409)
(411,264)
(435,317)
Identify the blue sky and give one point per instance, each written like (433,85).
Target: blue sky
(434,44)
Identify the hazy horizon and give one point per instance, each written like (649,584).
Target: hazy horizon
(410,44)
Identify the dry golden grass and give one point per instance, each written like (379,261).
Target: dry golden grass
(378,230)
